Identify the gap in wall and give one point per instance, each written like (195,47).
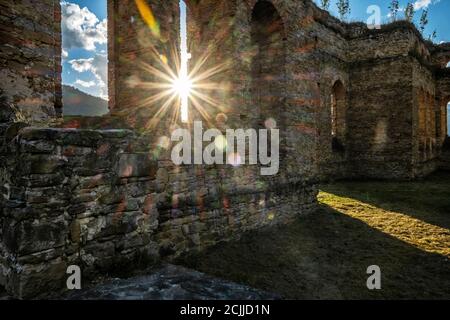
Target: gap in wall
(448,119)
(84,57)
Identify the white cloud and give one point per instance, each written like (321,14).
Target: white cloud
(98,66)
(85,84)
(81,28)
(82,65)
(64,54)
(420,4)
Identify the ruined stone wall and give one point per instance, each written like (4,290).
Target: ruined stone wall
(30,60)
(331,59)
(384,113)
(52,174)
(427,144)
(109,199)
(443,98)
(289,78)
(380,119)
(93,199)
(222,32)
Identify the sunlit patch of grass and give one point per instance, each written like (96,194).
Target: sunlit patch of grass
(423,235)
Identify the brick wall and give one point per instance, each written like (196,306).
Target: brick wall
(30,60)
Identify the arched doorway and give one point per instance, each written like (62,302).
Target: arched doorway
(268,65)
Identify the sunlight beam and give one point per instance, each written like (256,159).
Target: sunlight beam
(183,85)
(176,88)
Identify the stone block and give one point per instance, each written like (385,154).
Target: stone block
(42,280)
(137,165)
(34,235)
(42,164)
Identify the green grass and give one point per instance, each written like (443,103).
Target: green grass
(403,227)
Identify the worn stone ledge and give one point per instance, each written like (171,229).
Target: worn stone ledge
(75,137)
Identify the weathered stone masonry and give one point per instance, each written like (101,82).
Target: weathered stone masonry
(109,200)
(30,59)
(80,197)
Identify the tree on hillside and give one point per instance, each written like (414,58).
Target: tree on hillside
(423,20)
(343,8)
(409,11)
(433,36)
(325,4)
(393,8)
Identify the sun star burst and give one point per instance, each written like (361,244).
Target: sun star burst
(178,86)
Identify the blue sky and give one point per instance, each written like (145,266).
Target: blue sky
(438,14)
(183,21)
(85,45)
(84,35)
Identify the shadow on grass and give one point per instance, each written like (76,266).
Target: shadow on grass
(427,200)
(325,256)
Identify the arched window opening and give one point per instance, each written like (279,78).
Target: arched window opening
(422,123)
(338,116)
(447,117)
(430,128)
(445,127)
(268,43)
(429,124)
(437,122)
(333,116)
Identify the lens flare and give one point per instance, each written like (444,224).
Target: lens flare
(221,143)
(235,159)
(148,17)
(171,87)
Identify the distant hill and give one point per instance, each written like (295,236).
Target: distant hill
(79,103)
